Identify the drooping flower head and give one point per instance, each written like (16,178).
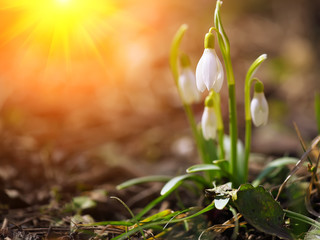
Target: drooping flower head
(259,106)
(209,72)
(187,82)
(209,120)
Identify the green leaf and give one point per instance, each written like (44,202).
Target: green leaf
(174,183)
(302,218)
(141,180)
(174,52)
(166,221)
(153,203)
(260,209)
(272,166)
(224,165)
(168,188)
(255,65)
(157,216)
(203,167)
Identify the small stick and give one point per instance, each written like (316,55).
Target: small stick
(4,224)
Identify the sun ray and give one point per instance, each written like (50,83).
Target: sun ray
(63,30)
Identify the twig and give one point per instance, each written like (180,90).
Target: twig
(315,142)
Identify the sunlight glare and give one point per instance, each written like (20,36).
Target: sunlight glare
(63,1)
(61,29)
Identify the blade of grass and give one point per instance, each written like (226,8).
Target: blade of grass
(155,202)
(131,213)
(315,142)
(150,225)
(176,181)
(141,180)
(203,167)
(302,218)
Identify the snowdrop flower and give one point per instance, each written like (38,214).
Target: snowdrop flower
(209,120)
(187,82)
(259,106)
(209,72)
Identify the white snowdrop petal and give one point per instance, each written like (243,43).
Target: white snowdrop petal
(191,91)
(220,76)
(259,109)
(187,83)
(200,76)
(209,123)
(209,73)
(209,68)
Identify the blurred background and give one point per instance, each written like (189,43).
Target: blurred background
(87,96)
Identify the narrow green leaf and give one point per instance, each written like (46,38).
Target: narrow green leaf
(174,183)
(174,52)
(155,202)
(141,180)
(164,222)
(105,223)
(203,167)
(254,66)
(168,188)
(275,164)
(302,218)
(157,216)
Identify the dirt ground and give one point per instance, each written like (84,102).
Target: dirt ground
(84,135)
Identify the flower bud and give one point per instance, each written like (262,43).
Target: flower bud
(209,72)
(259,106)
(209,120)
(187,82)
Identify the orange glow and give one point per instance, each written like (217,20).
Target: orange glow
(54,34)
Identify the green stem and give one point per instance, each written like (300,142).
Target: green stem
(174,57)
(220,127)
(195,132)
(247,149)
(233,129)
(252,69)
(221,146)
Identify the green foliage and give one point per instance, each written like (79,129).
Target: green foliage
(302,218)
(275,165)
(203,167)
(141,180)
(177,181)
(254,202)
(260,209)
(157,220)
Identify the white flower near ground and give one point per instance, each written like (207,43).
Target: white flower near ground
(209,123)
(187,84)
(209,72)
(259,109)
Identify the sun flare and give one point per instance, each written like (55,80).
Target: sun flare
(60,30)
